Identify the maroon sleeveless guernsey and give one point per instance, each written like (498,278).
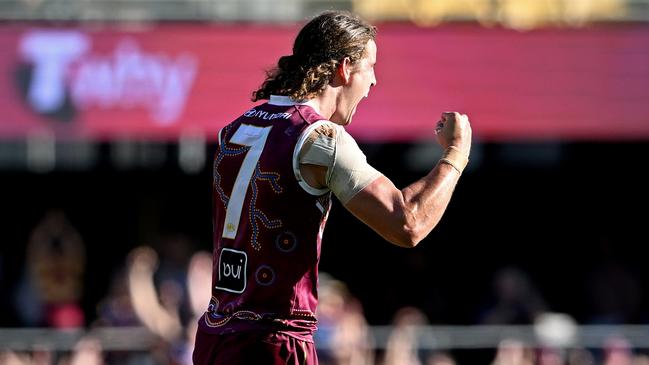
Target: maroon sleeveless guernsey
(267,228)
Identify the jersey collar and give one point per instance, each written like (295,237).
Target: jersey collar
(283,100)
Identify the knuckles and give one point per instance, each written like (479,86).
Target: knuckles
(462,120)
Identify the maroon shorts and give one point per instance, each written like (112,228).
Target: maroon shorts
(254,348)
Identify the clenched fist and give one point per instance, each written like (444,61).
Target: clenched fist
(454,129)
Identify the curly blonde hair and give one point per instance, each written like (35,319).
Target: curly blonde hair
(318,49)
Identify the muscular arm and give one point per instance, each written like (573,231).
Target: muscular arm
(405,217)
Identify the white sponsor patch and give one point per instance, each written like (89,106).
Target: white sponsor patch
(232,271)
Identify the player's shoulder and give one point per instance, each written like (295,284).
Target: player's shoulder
(325,128)
(329,129)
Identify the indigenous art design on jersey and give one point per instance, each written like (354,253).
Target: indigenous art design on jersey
(267,225)
(254,214)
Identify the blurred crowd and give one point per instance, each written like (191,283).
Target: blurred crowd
(165,289)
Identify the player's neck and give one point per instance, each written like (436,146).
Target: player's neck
(325,103)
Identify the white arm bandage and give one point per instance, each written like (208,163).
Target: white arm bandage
(347,169)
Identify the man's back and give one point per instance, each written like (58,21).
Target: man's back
(267,228)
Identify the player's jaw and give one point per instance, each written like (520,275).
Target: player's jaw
(351,113)
(344,113)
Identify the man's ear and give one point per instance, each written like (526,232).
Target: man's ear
(344,70)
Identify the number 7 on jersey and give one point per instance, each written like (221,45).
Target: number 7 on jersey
(255,138)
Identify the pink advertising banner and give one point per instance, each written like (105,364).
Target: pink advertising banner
(162,81)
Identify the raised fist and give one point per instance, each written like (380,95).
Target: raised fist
(454,129)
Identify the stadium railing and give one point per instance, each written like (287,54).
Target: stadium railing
(429,337)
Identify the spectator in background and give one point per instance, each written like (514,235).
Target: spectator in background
(513,352)
(613,292)
(87,351)
(405,340)
(199,282)
(155,291)
(515,299)
(580,356)
(175,251)
(51,288)
(617,351)
(440,358)
(640,359)
(556,333)
(343,336)
(161,313)
(116,309)
(22,358)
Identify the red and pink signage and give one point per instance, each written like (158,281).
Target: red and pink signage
(165,80)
